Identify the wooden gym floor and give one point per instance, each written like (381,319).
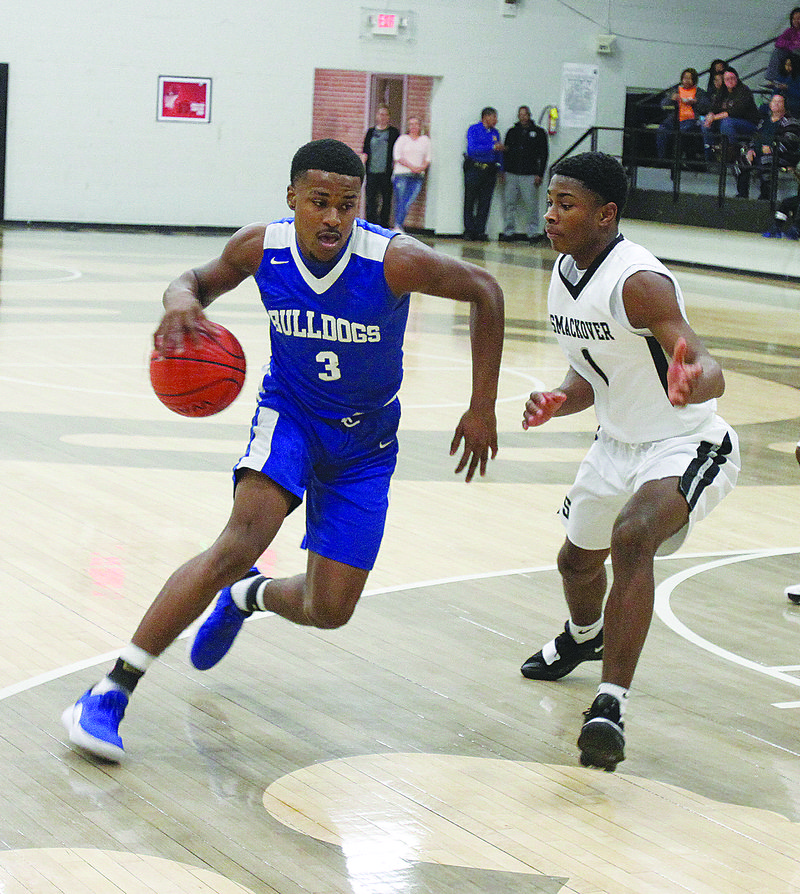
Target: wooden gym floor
(403,753)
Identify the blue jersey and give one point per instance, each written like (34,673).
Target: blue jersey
(337,341)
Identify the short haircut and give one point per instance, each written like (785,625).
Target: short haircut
(489,110)
(731,68)
(600,173)
(332,156)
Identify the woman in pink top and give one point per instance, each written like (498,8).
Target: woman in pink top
(787,44)
(412,155)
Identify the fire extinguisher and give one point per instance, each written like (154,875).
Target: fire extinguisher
(552,120)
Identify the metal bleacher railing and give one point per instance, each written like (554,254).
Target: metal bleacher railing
(633,142)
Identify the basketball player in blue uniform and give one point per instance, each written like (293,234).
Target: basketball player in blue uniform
(662,457)
(336,291)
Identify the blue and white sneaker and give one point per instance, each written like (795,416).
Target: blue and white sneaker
(219,630)
(93,723)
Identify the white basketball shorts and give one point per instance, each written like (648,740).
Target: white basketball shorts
(706,463)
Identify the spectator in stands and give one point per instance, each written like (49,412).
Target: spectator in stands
(733,113)
(787,222)
(412,155)
(788,83)
(714,96)
(787,44)
(687,105)
(717,67)
(777,141)
(716,85)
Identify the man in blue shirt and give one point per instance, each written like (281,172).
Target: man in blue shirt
(482,160)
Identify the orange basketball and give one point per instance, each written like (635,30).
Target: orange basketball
(202,380)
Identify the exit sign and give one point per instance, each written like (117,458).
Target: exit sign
(385,23)
(386,26)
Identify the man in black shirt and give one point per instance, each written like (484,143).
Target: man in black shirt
(378,160)
(525,161)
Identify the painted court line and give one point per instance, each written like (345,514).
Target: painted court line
(662,609)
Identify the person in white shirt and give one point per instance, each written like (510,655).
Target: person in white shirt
(412,155)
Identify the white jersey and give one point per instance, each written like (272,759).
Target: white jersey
(626,367)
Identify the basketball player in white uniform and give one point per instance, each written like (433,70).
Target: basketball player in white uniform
(336,292)
(662,457)
(793,591)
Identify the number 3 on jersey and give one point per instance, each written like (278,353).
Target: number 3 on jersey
(331,361)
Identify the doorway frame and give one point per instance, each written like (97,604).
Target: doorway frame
(3,122)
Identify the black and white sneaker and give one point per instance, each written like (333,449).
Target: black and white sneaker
(562,655)
(602,740)
(793,593)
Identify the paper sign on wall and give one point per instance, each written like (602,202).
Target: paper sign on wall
(578,95)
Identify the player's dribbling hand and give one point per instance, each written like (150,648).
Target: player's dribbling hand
(479,434)
(681,376)
(541,406)
(180,323)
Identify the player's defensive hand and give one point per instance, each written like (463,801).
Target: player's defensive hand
(479,434)
(541,406)
(681,376)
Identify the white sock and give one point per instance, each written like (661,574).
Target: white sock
(620,693)
(134,656)
(260,595)
(137,657)
(585,632)
(240,592)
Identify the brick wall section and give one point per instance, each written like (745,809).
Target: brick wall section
(340,99)
(340,112)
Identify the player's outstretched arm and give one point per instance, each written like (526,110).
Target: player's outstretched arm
(693,375)
(187,295)
(410,266)
(572,395)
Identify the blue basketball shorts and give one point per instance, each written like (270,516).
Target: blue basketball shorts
(343,468)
